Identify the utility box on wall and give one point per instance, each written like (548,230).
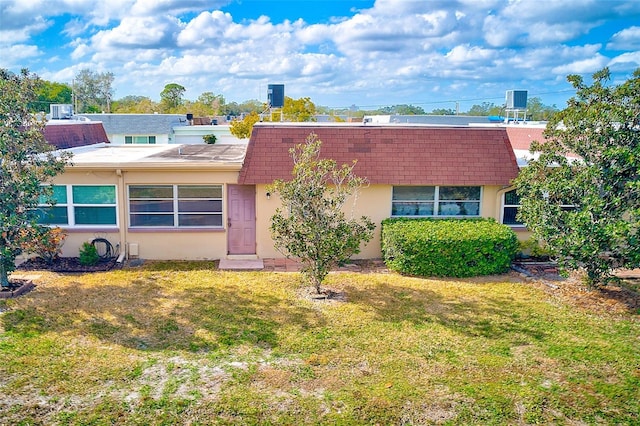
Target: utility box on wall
(516,99)
(275,95)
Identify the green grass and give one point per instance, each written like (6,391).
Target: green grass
(183,343)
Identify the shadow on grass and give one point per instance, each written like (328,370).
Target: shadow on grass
(473,315)
(147,314)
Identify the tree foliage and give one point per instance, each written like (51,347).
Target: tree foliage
(26,163)
(135,105)
(51,93)
(588,210)
(298,109)
(485,109)
(403,109)
(242,128)
(171,97)
(93,91)
(536,110)
(311,224)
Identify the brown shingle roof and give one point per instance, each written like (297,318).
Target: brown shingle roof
(72,135)
(395,155)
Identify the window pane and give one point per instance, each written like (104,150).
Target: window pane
(509,216)
(411,209)
(199,191)
(128,139)
(59,195)
(459,193)
(414,192)
(459,209)
(141,140)
(152,220)
(95,215)
(151,191)
(200,220)
(53,216)
(94,194)
(200,206)
(152,140)
(511,198)
(148,206)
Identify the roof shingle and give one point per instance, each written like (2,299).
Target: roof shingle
(394,155)
(64,136)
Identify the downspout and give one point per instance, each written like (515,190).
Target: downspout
(122,216)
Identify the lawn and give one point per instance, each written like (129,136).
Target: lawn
(184,343)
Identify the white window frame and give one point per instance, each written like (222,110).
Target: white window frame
(176,213)
(71,208)
(504,206)
(437,201)
(133,137)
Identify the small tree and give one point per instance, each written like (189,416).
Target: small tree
(26,162)
(588,210)
(241,129)
(311,225)
(171,97)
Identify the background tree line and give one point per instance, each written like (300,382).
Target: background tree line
(92,92)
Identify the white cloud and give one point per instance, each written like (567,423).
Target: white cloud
(139,32)
(583,66)
(204,29)
(627,39)
(627,61)
(11,56)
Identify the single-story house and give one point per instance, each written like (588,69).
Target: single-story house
(211,201)
(159,129)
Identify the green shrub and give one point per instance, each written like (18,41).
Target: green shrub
(210,139)
(89,254)
(534,248)
(45,242)
(447,247)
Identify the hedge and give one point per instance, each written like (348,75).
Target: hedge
(447,247)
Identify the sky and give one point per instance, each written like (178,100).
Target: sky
(340,53)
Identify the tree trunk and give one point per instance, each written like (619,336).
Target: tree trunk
(4,276)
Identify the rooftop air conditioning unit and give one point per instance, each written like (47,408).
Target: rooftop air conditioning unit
(516,99)
(61,111)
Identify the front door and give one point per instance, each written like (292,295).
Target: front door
(241,219)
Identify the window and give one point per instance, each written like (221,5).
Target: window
(510,208)
(511,205)
(176,206)
(140,140)
(80,205)
(429,201)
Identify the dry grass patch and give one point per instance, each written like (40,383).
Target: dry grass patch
(185,343)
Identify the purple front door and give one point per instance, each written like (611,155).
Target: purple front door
(241,219)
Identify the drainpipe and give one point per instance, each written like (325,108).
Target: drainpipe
(122,216)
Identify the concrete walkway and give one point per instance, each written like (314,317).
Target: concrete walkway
(290,265)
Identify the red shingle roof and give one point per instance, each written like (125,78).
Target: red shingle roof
(394,155)
(72,135)
(521,137)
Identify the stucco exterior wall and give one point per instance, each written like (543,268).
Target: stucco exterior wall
(208,244)
(373,201)
(168,244)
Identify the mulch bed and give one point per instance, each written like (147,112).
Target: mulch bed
(623,297)
(66,264)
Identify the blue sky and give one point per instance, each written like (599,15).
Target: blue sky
(368,53)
